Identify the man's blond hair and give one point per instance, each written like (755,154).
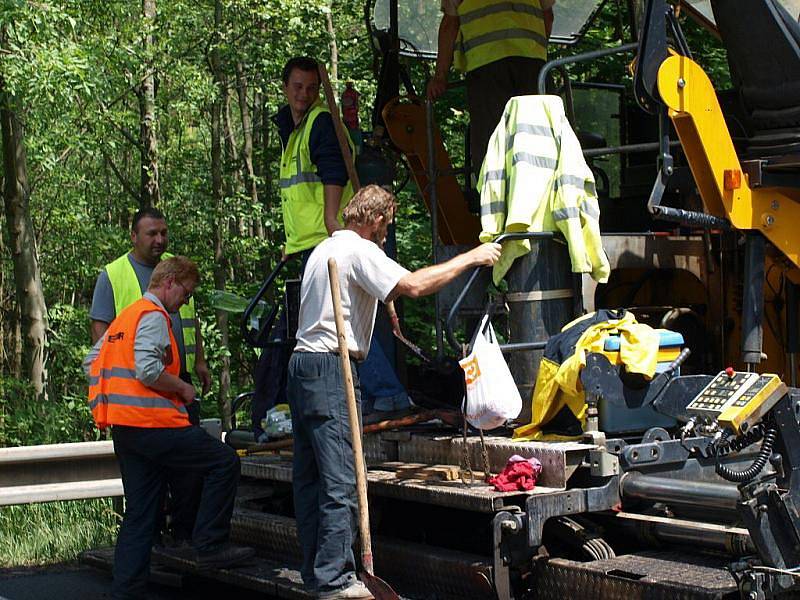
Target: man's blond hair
(369,203)
(181,268)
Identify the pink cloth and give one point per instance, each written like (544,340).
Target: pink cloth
(519,474)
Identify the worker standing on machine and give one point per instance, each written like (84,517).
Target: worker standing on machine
(501,46)
(314,188)
(323,477)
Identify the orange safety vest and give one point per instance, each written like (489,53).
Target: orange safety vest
(116,397)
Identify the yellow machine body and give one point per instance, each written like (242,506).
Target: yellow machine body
(695,111)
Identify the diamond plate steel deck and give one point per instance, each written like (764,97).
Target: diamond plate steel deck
(414,569)
(644,576)
(478,497)
(559,459)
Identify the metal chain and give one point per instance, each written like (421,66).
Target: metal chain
(485,456)
(467,475)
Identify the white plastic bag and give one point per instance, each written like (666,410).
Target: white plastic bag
(492,396)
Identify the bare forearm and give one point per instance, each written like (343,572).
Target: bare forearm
(333,199)
(448,32)
(199,353)
(167,382)
(431,279)
(548,22)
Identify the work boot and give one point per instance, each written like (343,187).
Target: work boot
(354,591)
(224,556)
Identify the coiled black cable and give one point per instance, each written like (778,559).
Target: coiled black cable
(726,445)
(742,441)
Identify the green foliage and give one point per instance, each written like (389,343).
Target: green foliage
(54,532)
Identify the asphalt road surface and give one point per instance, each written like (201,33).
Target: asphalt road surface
(78,582)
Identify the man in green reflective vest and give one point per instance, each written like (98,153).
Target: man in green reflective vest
(501,46)
(314,188)
(121,283)
(124,280)
(313,177)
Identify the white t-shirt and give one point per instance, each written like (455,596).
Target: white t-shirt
(366,275)
(450,7)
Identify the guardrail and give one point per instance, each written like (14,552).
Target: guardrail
(51,472)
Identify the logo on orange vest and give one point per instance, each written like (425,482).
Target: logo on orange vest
(117,336)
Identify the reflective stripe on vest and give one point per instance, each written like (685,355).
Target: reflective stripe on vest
(490,30)
(127,290)
(534,178)
(116,396)
(302,191)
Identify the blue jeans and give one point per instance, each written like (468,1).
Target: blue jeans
(380,387)
(323,473)
(146,457)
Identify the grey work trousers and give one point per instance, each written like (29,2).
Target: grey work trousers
(323,473)
(488,90)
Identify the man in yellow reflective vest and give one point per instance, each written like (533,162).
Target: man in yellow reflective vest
(121,283)
(313,177)
(501,46)
(124,280)
(314,189)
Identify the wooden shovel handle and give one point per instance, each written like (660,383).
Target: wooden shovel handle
(338,126)
(355,425)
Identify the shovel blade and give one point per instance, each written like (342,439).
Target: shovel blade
(378,587)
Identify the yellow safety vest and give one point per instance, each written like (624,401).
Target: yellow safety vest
(534,178)
(490,30)
(302,191)
(126,289)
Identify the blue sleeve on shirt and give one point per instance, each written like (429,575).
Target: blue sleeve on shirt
(103,308)
(325,152)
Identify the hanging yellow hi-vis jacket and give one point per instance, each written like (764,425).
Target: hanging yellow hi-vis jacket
(302,190)
(534,178)
(490,30)
(558,408)
(126,289)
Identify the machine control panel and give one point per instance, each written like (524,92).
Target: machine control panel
(737,400)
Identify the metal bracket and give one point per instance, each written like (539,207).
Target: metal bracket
(541,507)
(506,525)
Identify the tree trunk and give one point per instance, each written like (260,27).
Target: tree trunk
(258,134)
(247,134)
(266,125)
(22,243)
(334,70)
(150,191)
(220,260)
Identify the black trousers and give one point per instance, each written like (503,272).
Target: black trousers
(145,457)
(184,487)
(488,89)
(269,376)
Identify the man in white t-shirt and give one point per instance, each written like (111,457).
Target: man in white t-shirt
(324,476)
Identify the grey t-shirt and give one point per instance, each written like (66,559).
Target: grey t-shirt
(103,302)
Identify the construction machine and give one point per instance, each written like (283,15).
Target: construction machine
(685,486)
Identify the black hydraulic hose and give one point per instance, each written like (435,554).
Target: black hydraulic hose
(754,469)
